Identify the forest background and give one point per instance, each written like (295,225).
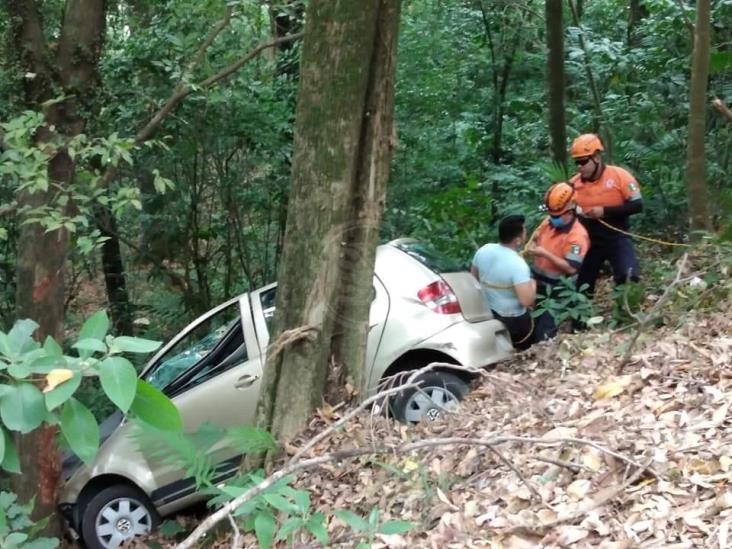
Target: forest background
(195,211)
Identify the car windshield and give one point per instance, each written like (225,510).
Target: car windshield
(429,257)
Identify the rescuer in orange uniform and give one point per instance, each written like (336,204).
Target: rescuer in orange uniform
(558,248)
(611,194)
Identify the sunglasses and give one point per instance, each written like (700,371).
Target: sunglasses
(582,161)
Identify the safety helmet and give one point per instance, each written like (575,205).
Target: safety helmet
(586,144)
(559,199)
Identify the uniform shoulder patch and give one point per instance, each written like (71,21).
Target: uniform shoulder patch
(575,249)
(633,186)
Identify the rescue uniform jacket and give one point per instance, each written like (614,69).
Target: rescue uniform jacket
(614,188)
(570,243)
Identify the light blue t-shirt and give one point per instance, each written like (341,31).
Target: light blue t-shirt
(501,266)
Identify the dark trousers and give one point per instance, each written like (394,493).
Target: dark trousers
(544,325)
(619,252)
(521,329)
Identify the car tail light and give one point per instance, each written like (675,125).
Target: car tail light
(440,298)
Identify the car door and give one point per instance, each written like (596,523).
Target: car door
(212,372)
(263,307)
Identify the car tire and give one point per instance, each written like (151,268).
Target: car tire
(437,391)
(116,514)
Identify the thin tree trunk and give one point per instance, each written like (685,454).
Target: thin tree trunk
(636,13)
(352,316)
(599,126)
(332,123)
(114,273)
(556,81)
(695,177)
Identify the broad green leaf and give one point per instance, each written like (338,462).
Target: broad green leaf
(20,336)
(10,463)
(19,370)
(316,526)
(3,523)
(391,527)
(14,539)
(23,409)
(153,407)
(80,430)
(56,397)
(373,518)
(170,528)
(5,389)
(90,344)
(135,344)
(52,348)
(95,327)
(119,381)
(264,526)
(352,520)
(45,364)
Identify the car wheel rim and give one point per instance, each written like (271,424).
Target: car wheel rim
(122,519)
(428,403)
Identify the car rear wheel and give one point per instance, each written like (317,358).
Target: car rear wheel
(438,391)
(117,514)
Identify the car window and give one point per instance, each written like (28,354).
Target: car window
(429,257)
(267,300)
(207,350)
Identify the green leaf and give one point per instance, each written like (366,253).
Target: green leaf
(80,430)
(391,527)
(135,344)
(18,370)
(2,444)
(353,520)
(264,525)
(90,344)
(316,526)
(153,407)
(52,348)
(119,381)
(95,327)
(291,525)
(5,389)
(63,392)
(15,539)
(280,503)
(20,337)
(249,440)
(373,518)
(171,528)
(10,463)
(23,409)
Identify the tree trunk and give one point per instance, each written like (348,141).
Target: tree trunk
(330,159)
(369,194)
(114,273)
(287,18)
(636,13)
(695,177)
(41,255)
(556,80)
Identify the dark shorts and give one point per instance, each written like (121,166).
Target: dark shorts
(619,252)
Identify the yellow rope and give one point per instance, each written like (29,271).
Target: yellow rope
(602,221)
(531,331)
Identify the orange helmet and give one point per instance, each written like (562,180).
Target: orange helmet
(559,199)
(586,145)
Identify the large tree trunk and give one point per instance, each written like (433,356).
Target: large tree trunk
(331,144)
(556,81)
(41,255)
(695,178)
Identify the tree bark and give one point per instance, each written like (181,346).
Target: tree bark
(695,177)
(636,13)
(556,80)
(369,195)
(113,266)
(331,147)
(41,255)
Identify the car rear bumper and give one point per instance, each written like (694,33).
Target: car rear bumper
(472,344)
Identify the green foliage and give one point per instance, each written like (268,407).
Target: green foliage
(17,530)
(564,302)
(372,525)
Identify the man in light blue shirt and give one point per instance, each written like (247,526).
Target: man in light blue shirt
(506,280)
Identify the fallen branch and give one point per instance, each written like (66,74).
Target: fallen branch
(643,319)
(236,537)
(722,108)
(343,455)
